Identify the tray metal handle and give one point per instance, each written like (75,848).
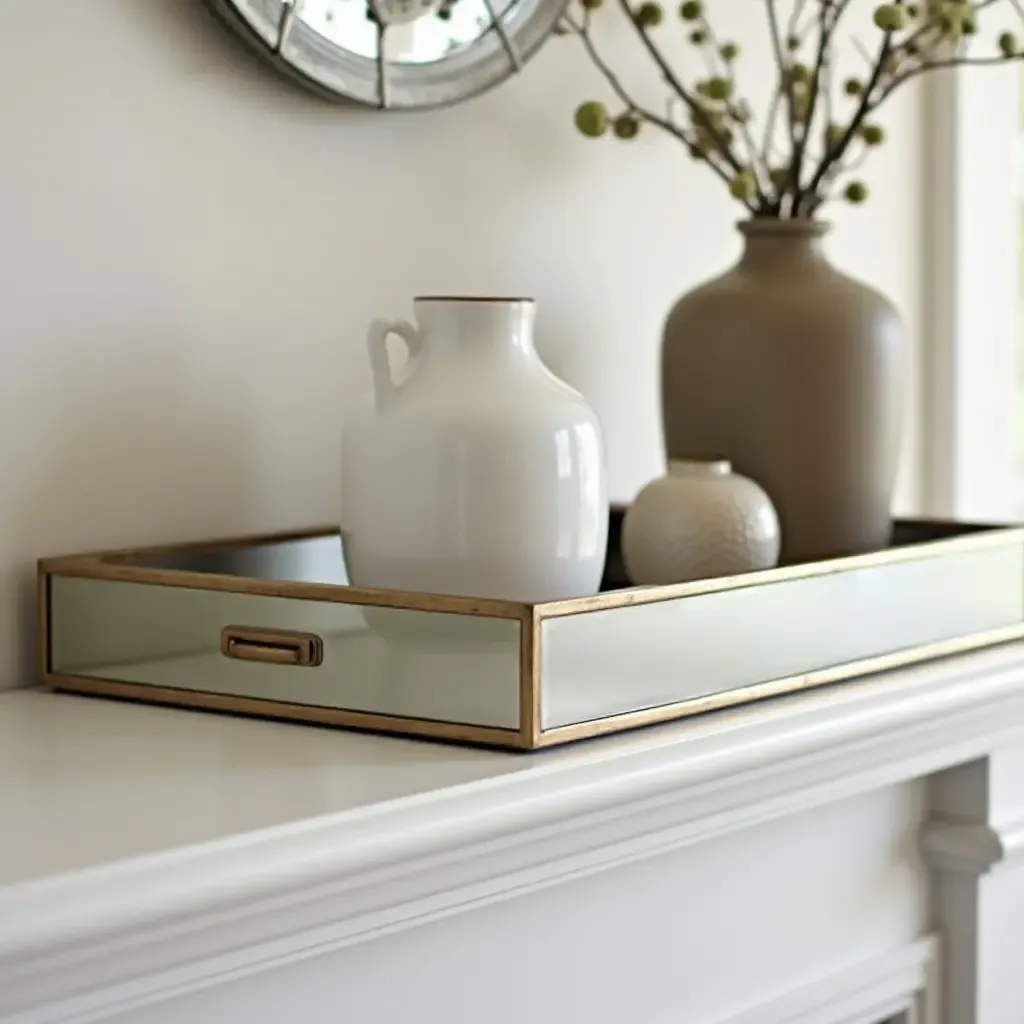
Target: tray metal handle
(271,646)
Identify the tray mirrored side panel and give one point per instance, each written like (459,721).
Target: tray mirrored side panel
(598,664)
(384,661)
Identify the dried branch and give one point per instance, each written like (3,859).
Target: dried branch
(715,125)
(826,78)
(794,19)
(835,171)
(821,62)
(950,62)
(836,152)
(582,30)
(773,108)
(697,110)
(863,51)
(717,65)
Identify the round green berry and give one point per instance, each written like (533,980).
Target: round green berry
(853,87)
(890,17)
(698,37)
(873,134)
(730,51)
(743,186)
(834,135)
(856,192)
(690,10)
(1008,44)
(719,88)
(912,10)
(649,14)
(626,126)
(592,119)
(792,43)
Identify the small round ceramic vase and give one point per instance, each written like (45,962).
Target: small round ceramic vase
(699,521)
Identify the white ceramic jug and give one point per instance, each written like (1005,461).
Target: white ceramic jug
(479,472)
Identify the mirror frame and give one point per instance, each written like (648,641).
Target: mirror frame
(273,29)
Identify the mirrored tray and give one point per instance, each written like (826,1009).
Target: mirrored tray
(269,626)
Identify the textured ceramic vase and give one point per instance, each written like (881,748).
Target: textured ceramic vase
(796,373)
(481,473)
(699,521)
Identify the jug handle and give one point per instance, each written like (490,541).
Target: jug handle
(384,386)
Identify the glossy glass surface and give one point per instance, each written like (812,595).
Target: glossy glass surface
(417,31)
(430,665)
(610,662)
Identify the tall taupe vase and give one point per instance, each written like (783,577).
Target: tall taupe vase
(795,373)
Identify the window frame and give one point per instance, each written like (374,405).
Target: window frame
(972,294)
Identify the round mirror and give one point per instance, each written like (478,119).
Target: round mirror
(394,54)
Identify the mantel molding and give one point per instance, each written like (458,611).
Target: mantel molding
(124,935)
(972,848)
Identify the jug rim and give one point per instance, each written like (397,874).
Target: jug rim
(475,298)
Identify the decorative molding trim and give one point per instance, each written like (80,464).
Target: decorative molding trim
(870,991)
(971,848)
(107,940)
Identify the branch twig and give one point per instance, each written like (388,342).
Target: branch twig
(820,65)
(719,131)
(664,123)
(950,62)
(835,153)
(717,65)
(794,18)
(783,83)
(695,108)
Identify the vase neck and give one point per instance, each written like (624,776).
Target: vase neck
(474,327)
(781,246)
(691,469)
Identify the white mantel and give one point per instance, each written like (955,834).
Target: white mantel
(844,856)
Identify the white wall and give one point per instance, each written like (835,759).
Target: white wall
(190,249)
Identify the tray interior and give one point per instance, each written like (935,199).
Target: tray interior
(320,558)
